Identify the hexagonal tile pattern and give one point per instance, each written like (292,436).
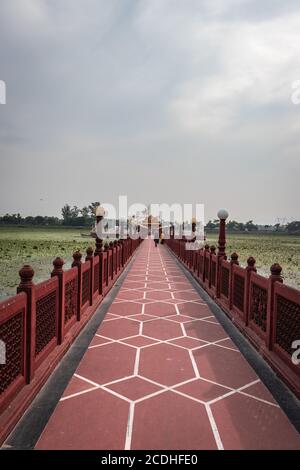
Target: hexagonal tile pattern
(205,331)
(126,308)
(173,422)
(203,390)
(62,430)
(158,295)
(134,284)
(187,342)
(129,295)
(267,426)
(135,388)
(77,386)
(140,341)
(166,364)
(162,329)
(187,295)
(160,309)
(152,377)
(194,310)
(107,363)
(224,366)
(119,328)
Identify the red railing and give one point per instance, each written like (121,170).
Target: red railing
(264,309)
(39,324)
(13,327)
(258,306)
(45,331)
(69,301)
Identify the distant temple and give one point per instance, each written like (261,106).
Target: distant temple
(152,223)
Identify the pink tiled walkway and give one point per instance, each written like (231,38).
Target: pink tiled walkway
(161,373)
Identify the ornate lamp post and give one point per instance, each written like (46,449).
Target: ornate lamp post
(117,229)
(172,229)
(129,225)
(222,215)
(99,213)
(183,235)
(194,223)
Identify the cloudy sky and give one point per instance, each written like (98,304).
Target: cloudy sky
(162,100)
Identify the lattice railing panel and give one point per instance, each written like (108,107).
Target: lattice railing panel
(225,281)
(201,264)
(104,278)
(258,306)
(238,291)
(213,273)
(206,267)
(11,333)
(85,287)
(96,277)
(287,323)
(45,321)
(71,293)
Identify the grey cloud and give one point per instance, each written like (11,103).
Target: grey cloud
(162,101)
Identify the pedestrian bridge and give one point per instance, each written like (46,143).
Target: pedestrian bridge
(158,365)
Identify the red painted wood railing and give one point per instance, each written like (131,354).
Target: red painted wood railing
(264,309)
(39,324)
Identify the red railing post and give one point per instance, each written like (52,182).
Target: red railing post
(115,257)
(89,257)
(198,263)
(106,249)
(274,277)
(233,261)
(127,249)
(206,257)
(98,252)
(118,255)
(77,262)
(249,269)
(122,253)
(222,215)
(101,273)
(99,246)
(59,272)
(212,252)
(111,267)
(26,285)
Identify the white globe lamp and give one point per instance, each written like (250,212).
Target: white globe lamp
(223,214)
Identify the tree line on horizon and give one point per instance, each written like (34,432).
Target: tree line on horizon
(73,216)
(70,216)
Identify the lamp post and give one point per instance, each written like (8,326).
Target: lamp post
(194,224)
(99,213)
(129,225)
(183,235)
(171,230)
(222,215)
